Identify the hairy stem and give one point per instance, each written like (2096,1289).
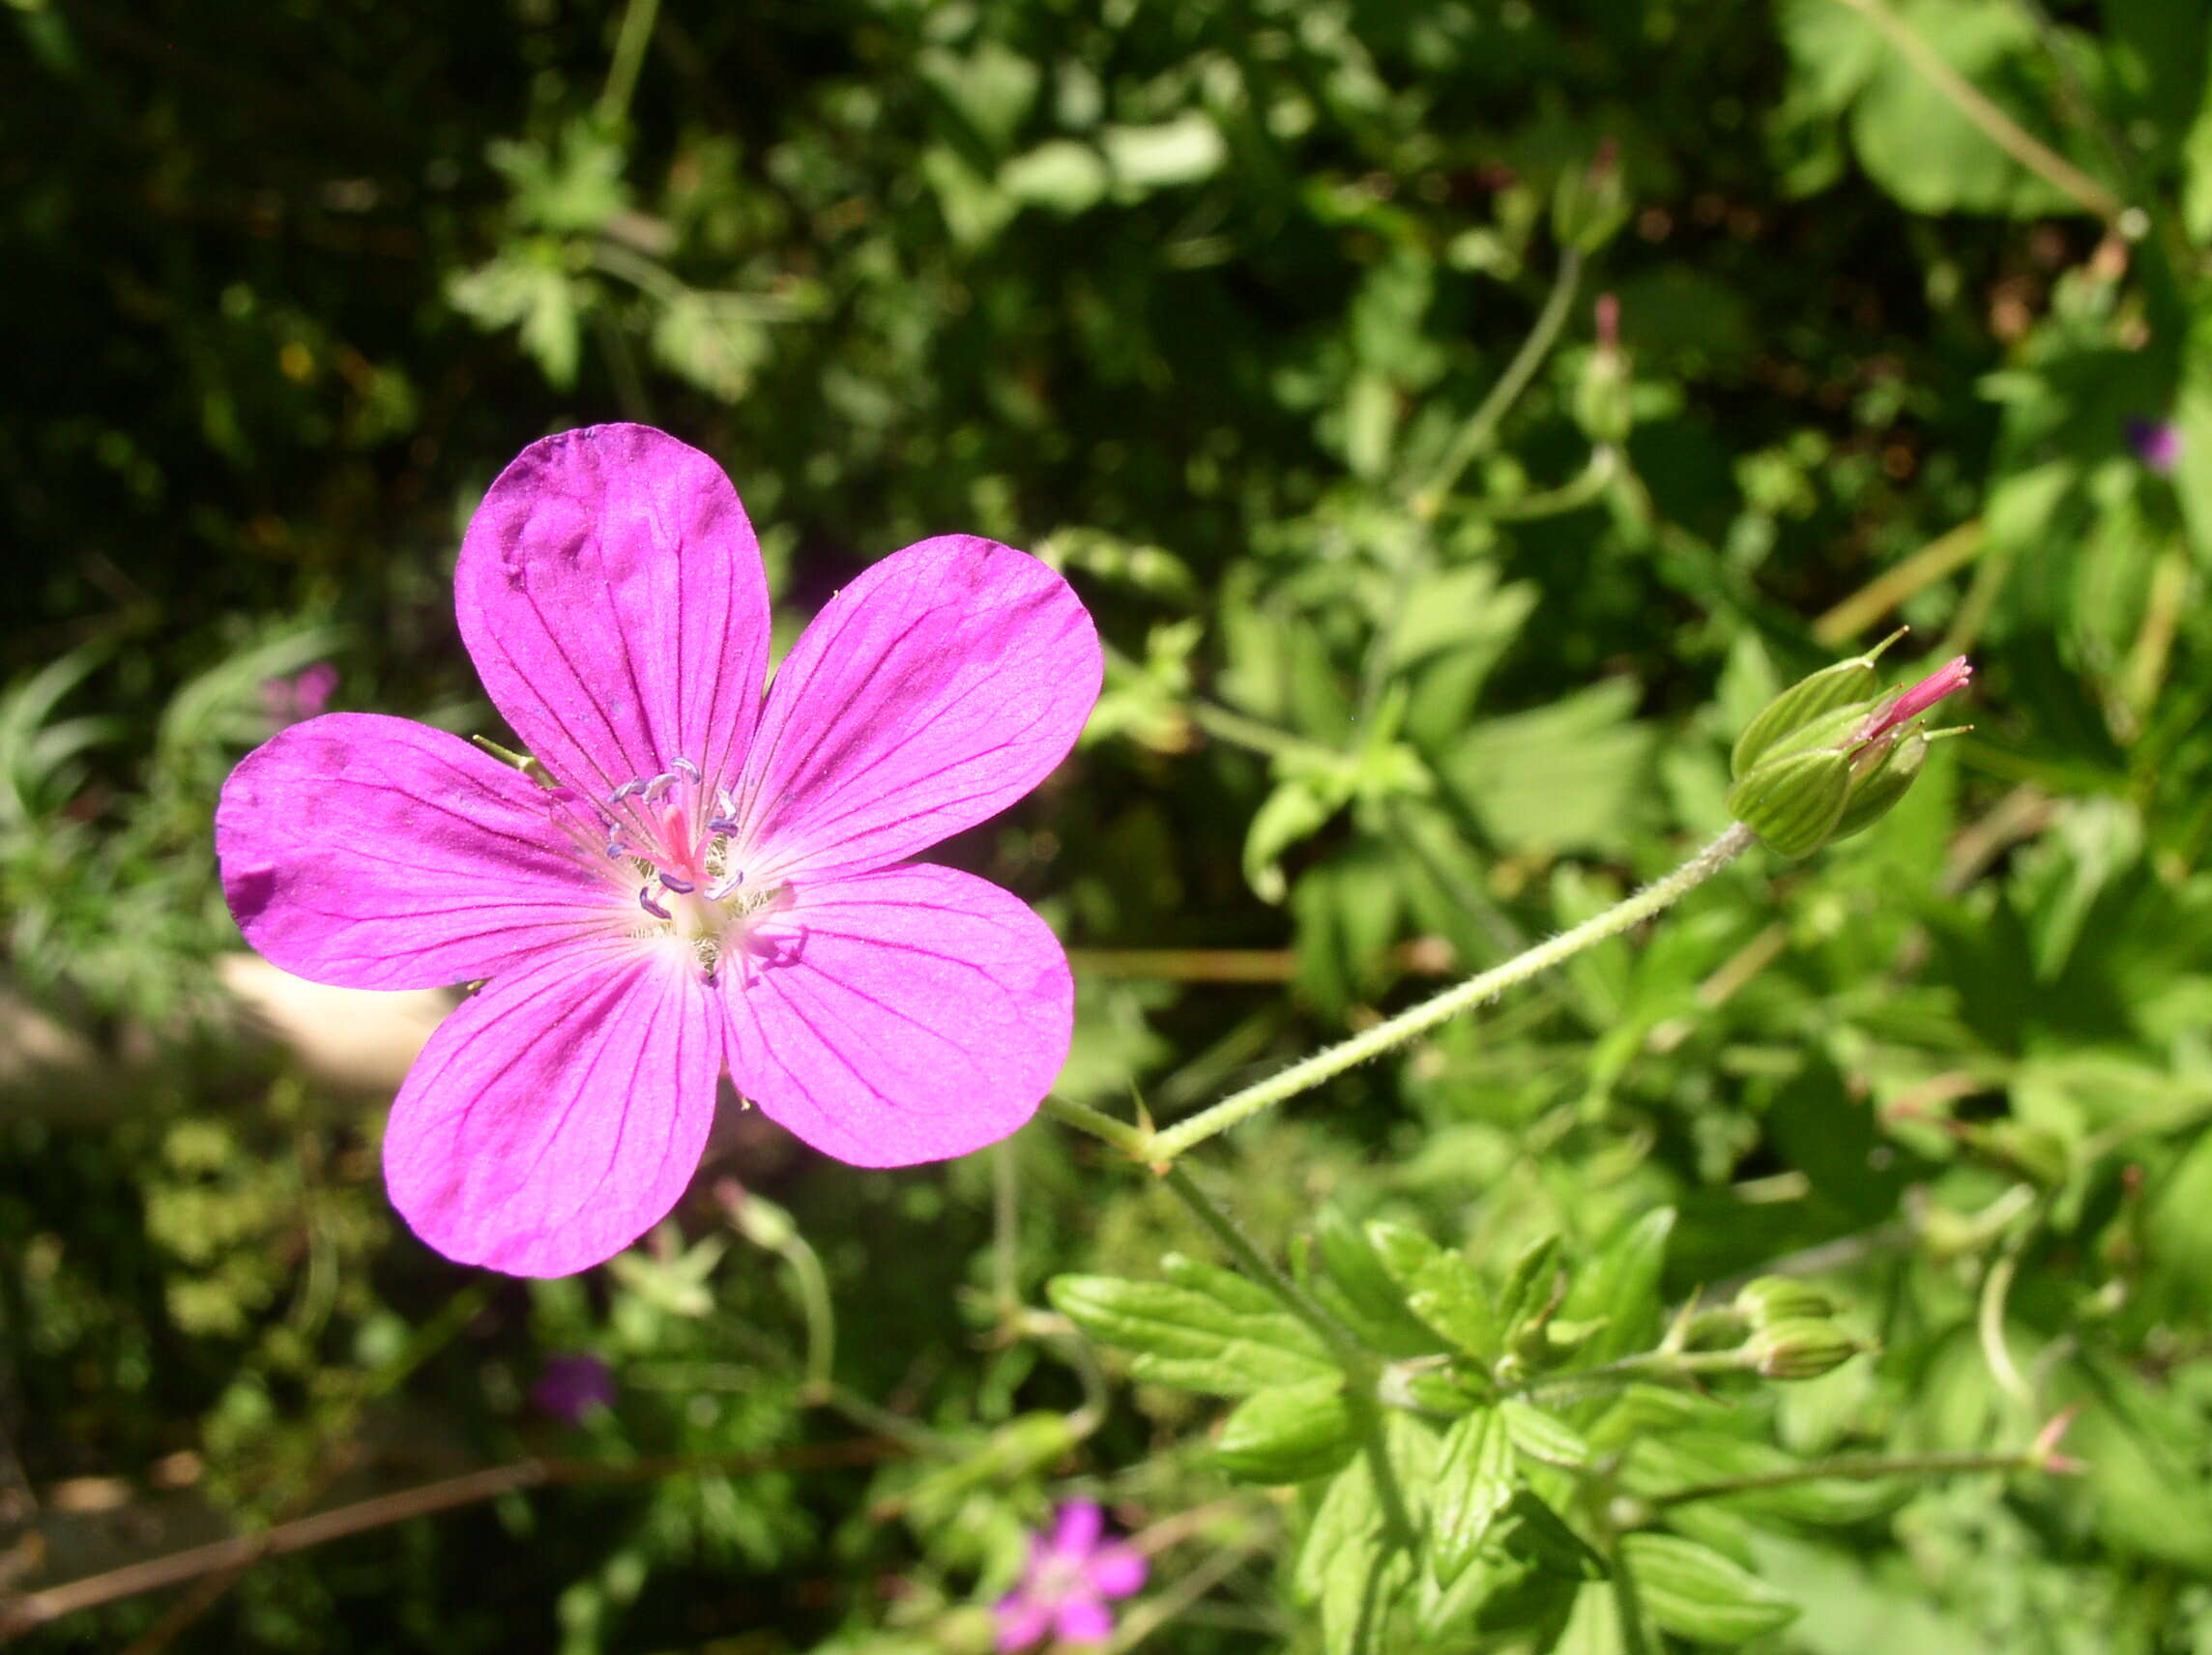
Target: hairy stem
(1326,1065)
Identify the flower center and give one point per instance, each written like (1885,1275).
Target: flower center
(674,839)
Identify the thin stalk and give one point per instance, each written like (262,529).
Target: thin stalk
(1945,555)
(1005,1231)
(1132,1141)
(1360,1368)
(1999,127)
(1481,425)
(1226,725)
(1858,1467)
(628,57)
(1394,1031)
(20,1613)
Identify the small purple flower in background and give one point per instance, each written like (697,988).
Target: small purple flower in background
(293,701)
(1064,1585)
(2157,443)
(715,885)
(570,1387)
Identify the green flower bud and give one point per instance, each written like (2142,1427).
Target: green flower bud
(1846,684)
(1825,759)
(1803,1347)
(1793,803)
(1602,407)
(1783,1298)
(1590,206)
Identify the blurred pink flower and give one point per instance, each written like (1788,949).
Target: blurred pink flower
(2157,443)
(571,1385)
(293,700)
(714,885)
(1064,1585)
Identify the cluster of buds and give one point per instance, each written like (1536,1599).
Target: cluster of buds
(1830,755)
(1793,1333)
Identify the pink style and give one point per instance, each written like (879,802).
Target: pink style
(716,883)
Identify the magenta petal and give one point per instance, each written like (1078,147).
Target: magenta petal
(375,853)
(1084,1620)
(927,696)
(909,1014)
(1117,1571)
(1023,1621)
(557,1117)
(610,590)
(1077,1528)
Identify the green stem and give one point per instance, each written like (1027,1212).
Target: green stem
(1132,1141)
(1359,1369)
(1482,425)
(1999,127)
(821,1317)
(1586,487)
(629,56)
(1226,725)
(1394,1031)
(1006,1230)
(1854,1467)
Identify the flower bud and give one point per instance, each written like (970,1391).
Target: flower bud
(1591,205)
(1845,684)
(1801,1347)
(1602,406)
(1826,757)
(1769,1299)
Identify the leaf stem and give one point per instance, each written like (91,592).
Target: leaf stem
(630,41)
(1394,1031)
(1481,425)
(1856,1467)
(1999,127)
(1359,1369)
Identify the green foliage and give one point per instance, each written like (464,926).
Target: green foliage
(1718,1288)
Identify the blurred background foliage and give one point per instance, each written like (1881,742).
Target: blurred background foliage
(1461,416)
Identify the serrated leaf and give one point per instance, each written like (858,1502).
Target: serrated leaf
(1349,1520)
(1695,1593)
(1542,1437)
(1620,1287)
(1440,1288)
(1475,1482)
(1363,1292)
(1530,1285)
(1179,1336)
(1662,1465)
(1540,1536)
(1290,1433)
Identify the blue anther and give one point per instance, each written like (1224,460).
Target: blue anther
(646,902)
(723,889)
(690,768)
(625,790)
(681,886)
(720,824)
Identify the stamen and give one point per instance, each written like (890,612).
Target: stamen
(723,889)
(646,902)
(626,791)
(616,849)
(720,824)
(658,785)
(689,770)
(681,886)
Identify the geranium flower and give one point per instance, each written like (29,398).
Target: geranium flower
(714,885)
(1066,1583)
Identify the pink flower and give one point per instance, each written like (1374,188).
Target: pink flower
(2157,443)
(1067,1582)
(716,883)
(292,700)
(1949,678)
